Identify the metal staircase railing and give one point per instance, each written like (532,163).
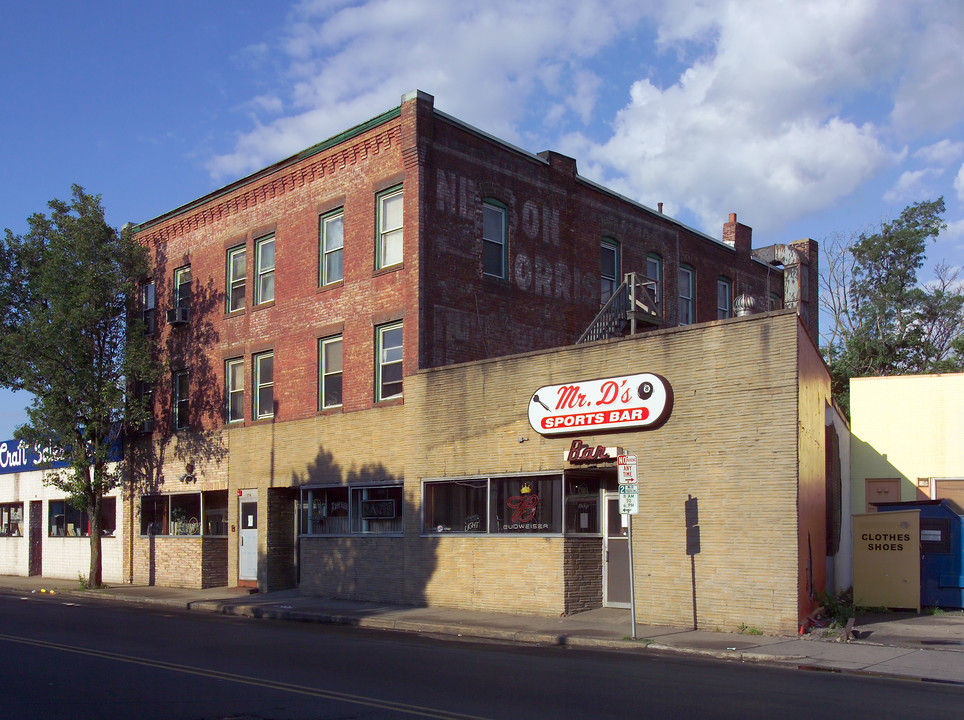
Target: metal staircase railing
(633,302)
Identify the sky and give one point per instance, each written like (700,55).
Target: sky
(807,119)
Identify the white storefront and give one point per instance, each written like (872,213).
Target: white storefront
(41,533)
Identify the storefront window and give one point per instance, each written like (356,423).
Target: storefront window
(186,514)
(215,512)
(376,510)
(11,519)
(522,505)
(324,511)
(65,520)
(182,514)
(455,506)
(582,506)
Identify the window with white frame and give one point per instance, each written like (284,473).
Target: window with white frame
(354,510)
(11,519)
(390,217)
(687,295)
(494,232)
(388,369)
(608,269)
(149,307)
(237,276)
(724,298)
(234,390)
(521,505)
(66,520)
(330,371)
(654,271)
(180,399)
(182,287)
(332,246)
(264,270)
(263,397)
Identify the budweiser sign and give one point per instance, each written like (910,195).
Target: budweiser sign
(619,403)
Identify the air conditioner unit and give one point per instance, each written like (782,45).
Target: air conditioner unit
(178,316)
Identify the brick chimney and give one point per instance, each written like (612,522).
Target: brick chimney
(738,236)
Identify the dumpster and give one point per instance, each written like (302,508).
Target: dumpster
(942,551)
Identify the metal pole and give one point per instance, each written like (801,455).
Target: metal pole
(632,582)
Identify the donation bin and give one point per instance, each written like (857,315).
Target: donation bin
(942,550)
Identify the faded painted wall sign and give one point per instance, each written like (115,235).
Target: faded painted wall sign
(619,403)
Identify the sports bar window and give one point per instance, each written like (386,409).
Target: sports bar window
(520,505)
(687,295)
(724,298)
(608,269)
(654,272)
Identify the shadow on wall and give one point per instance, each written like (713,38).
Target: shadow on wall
(353,525)
(867,464)
(193,444)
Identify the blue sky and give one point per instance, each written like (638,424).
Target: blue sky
(806,119)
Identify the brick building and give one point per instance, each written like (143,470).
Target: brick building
(296,307)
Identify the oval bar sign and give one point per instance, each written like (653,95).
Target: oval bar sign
(619,403)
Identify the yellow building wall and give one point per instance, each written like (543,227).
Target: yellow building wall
(906,427)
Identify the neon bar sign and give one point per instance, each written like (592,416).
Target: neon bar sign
(619,403)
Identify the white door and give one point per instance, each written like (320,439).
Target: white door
(248,536)
(616,591)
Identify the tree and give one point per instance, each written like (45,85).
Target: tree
(68,293)
(883,322)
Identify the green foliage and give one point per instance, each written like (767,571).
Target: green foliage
(745,629)
(884,322)
(837,608)
(68,290)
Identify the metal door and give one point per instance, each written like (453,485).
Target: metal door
(616,590)
(248,535)
(36,535)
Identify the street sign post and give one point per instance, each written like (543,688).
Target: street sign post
(629,505)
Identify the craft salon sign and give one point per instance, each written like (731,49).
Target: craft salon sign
(16,456)
(618,403)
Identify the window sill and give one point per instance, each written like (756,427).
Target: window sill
(263,306)
(332,285)
(235,313)
(388,269)
(387,402)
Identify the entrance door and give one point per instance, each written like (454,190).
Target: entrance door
(881,490)
(616,590)
(248,537)
(36,538)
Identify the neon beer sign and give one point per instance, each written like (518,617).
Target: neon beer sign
(619,403)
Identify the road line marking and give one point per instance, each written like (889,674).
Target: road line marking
(248,680)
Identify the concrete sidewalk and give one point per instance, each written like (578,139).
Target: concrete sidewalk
(921,647)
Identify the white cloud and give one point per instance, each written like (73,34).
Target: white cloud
(911,185)
(771,108)
(959,184)
(943,153)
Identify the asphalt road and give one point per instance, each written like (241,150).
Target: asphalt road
(65,658)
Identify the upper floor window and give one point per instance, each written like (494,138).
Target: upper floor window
(180,398)
(608,269)
(654,271)
(329,364)
(145,398)
(389,250)
(332,243)
(724,298)
(776,302)
(234,390)
(388,383)
(493,239)
(263,385)
(148,307)
(264,270)
(687,295)
(237,275)
(182,287)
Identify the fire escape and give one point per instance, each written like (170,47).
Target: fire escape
(632,305)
